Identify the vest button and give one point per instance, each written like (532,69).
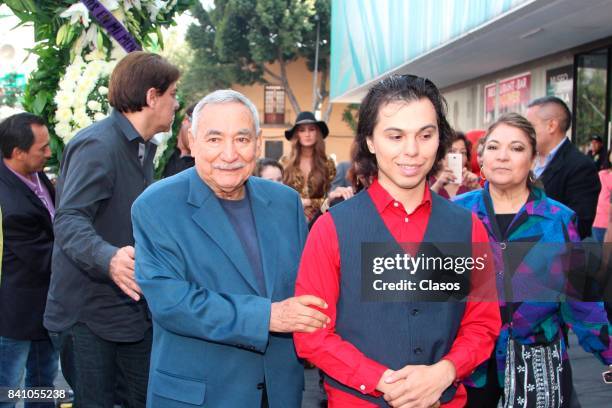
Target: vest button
(418,350)
(414,312)
(260,386)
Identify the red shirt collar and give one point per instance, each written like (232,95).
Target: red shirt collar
(382,199)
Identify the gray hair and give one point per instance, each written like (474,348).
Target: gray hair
(223,96)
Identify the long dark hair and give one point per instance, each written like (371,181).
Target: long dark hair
(406,88)
(318,172)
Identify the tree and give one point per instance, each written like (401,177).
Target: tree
(237,40)
(591,105)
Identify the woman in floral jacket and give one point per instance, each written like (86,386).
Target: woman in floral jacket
(529,366)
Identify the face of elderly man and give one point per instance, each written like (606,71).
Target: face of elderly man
(225,148)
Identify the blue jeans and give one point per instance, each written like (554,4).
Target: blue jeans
(103,372)
(37,358)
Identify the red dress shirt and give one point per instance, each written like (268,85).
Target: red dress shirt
(319,275)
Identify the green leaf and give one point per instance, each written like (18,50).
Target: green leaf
(100,40)
(160,37)
(39,103)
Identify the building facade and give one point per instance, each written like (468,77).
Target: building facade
(277,113)
(488,57)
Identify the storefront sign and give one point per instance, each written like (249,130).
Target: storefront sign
(514,93)
(490,92)
(560,83)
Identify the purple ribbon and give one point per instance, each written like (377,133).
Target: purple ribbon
(112,25)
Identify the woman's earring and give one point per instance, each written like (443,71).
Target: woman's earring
(482,175)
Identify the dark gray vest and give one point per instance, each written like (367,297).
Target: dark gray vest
(395,333)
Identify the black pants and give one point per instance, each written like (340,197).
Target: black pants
(93,367)
(490,394)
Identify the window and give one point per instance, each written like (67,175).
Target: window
(590,108)
(274,102)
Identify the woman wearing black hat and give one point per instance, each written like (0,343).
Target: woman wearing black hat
(308,170)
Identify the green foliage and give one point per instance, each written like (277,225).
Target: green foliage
(350,116)
(591,106)
(43,82)
(55,47)
(237,38)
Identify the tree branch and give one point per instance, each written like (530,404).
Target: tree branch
(272,74)
(285,80)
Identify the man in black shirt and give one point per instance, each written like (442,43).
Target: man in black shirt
(95,312)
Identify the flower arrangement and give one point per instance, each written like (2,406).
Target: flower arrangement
(81,96)
(76,57)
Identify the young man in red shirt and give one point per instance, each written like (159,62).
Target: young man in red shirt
(407,353)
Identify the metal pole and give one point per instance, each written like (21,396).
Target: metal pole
(316,69)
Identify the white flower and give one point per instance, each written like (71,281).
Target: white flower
(63,115)
(78,61)
(81,118)
(68,85)
(94,106)
(91,38)
(119,15)
(103,90)
(117,52)
(77,13)
(72,76)
(64,99)
(84,88)
(99,116)
(91,76)
(110,4)
(154,8)
(128,4)
(95,55)
(64,131)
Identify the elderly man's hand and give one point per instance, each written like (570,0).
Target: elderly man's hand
(419,386)
(122,272)
(295,314)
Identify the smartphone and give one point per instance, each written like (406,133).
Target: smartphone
(454,162)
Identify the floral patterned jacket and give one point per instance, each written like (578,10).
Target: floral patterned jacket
(537,265)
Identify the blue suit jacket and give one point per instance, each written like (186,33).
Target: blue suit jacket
(211,344)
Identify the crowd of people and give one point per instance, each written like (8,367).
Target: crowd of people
(215,285)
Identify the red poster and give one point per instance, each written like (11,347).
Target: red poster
(490,92)
(514,93)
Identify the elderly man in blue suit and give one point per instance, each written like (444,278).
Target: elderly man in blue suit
(217,253)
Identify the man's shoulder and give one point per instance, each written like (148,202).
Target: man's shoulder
(575,158)
(166,193)
(273,189)
(97,136)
